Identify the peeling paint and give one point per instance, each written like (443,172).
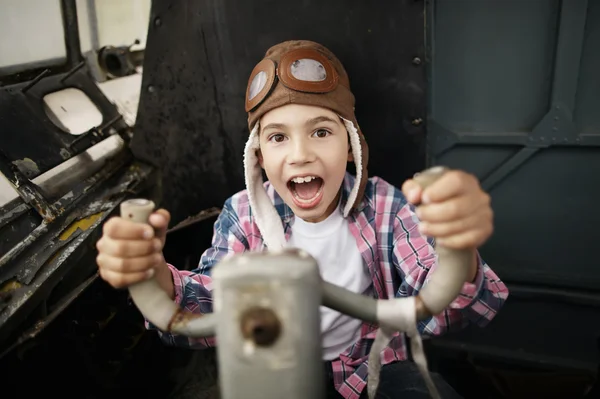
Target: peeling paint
(6,217)
(27,166)
(10,286)
(82,224)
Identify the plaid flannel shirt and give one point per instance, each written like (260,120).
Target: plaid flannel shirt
(397,256)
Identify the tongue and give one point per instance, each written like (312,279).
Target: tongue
(308,190)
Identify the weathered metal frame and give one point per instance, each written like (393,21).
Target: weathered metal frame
(57,248)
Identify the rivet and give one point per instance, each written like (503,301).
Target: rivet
(416,61)
(151,89)
(157,21)
(417,121)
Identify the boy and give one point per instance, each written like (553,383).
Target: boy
(366,234)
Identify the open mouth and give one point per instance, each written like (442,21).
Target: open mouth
(307,191)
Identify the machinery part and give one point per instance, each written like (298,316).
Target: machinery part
(260,326)
(268,325)
(152,301)
(116,61)
(259,306)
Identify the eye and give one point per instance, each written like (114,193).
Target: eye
(321,133)
(277,138)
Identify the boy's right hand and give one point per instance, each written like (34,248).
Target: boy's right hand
(130,252)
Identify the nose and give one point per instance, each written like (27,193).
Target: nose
(300,153)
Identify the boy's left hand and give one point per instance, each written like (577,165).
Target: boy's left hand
(454,210)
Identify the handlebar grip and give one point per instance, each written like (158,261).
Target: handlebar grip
(137,210)
(447,280)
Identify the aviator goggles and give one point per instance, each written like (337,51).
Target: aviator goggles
(303,70)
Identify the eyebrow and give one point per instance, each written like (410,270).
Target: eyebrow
(319,119)
(310,122)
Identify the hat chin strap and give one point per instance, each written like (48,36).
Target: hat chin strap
(265,215)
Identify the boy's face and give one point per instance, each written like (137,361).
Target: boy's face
(304,150)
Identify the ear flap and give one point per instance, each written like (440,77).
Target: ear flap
(265,215)
(360,156)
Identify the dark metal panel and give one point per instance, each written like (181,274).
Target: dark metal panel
(492,64)
(521,72)
(191,122)
(586,113)
(518,80)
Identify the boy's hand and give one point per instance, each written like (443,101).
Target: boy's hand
(454,210)
(130,252)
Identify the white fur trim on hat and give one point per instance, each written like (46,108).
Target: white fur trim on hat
(357,155)
(265,215)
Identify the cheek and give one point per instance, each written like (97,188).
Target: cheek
(270,161)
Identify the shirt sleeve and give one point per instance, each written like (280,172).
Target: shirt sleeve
(415,260)
(193,288)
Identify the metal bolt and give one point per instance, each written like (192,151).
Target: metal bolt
(151,89)
(157,21)
(261,326)
(417,122)
(416,61)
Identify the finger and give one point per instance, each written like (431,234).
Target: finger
(120,280)
(412,191)
(467,240)
(128,248)
(160,221)
(452,209)
(128,265)
(123,229)
(452,184)
(445,229)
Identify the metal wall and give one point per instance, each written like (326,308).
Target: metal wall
(514,97)
(199,55)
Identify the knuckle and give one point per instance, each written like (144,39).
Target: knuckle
(100,244)
(453,209)
(121,248)
(486,199)
(119,281)
(121,264)
(152,245)
(455,177)
(109,227)
(99,260)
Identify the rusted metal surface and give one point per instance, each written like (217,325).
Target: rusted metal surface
(260,325)
(181,318)
(70,200)
(27,190)
(39,266)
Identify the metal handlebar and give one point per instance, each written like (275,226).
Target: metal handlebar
(266,312)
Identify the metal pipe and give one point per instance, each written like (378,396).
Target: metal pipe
(71,32)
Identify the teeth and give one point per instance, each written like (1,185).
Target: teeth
(305,179)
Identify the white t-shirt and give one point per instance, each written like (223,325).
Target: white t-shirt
(332,244)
